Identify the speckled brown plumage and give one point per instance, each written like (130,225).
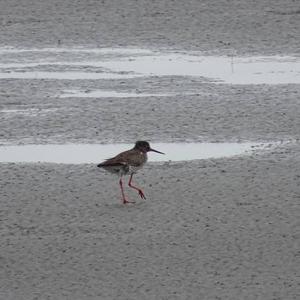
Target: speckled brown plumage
(129,162)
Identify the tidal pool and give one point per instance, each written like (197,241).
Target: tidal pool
(95,153)
(122,63)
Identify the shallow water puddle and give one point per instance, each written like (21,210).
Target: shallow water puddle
(234,70)
(90,153)
(117,63)
(118,51)
(68,75)
(106,94)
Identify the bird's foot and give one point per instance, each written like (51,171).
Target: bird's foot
(125,201)
(142,195)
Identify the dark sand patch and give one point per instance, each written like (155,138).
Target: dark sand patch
(259,26)
(215,113)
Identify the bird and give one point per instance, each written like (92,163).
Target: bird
(128,163)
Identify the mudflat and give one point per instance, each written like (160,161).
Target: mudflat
(209,229)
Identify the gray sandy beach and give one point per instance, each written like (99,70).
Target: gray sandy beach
(209,228)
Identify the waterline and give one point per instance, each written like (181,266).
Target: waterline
(94,153)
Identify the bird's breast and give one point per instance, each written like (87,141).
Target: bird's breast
(138,162)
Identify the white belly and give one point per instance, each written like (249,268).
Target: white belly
(133,169)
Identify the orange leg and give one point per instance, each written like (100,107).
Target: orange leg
(141,193)
(123,194)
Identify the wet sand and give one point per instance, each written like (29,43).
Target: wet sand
(209,229)
(256,27)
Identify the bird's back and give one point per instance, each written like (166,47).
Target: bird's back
(127,161)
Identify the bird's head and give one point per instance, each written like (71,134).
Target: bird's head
(144,147)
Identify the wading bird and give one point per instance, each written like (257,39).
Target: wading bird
(128,162)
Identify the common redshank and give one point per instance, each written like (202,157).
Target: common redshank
(129,162)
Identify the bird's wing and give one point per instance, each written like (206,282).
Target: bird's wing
(114,161)
(128,157)
(131,157)
(107,163)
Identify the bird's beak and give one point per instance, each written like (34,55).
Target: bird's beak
(156,151)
